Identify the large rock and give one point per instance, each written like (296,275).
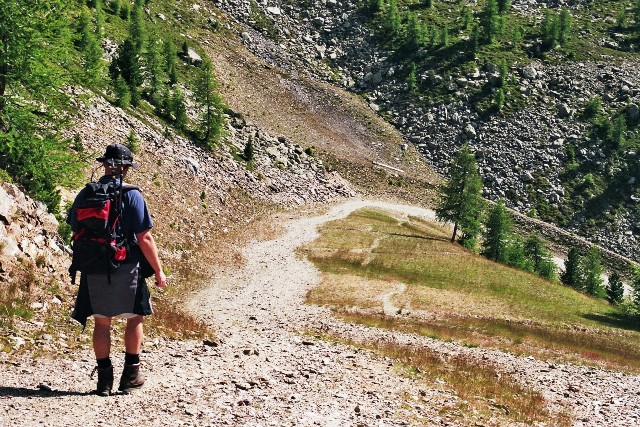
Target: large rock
(7,207)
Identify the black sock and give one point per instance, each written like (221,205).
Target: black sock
(104,363)
(131,359)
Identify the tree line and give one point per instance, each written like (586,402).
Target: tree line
(475,226)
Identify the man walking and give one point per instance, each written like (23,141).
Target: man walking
(120,289)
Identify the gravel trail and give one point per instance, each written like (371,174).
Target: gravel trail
(264,371)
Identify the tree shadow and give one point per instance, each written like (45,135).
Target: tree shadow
(621,321)
(38,392)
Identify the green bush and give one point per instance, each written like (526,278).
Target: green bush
(592,108)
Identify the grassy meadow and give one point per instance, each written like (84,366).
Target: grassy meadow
(440,290)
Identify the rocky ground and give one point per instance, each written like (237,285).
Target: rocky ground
(266,369)
(331,41)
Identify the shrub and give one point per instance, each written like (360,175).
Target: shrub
(592,108)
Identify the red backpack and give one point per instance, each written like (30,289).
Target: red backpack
(99,244)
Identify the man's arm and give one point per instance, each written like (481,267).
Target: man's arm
(150,250)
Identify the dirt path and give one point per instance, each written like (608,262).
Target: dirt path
(266,372)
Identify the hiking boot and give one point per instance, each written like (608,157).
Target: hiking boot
(131,378)
(105,381)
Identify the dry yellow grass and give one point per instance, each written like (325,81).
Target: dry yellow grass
(456,295)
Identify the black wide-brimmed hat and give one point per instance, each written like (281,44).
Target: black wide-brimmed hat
(117,154)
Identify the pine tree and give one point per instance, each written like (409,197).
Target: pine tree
(564,26)
(499,99)
(92,55)
(504,6)
(503,68)
(461,198)
(615,289)
(592,271)
(550,30)
(84,28)
(116,7)
(154,68)
(393,18)
(572,274)
(126,63)
(539,257)
(122,91)
(616,136)
(171,61)
(497,233)
(467,18)
(411,78)
(490,21)
(132,142)
(248,150)
(137,30)
(516,256)
(444,37)
(211,126)
(179,109)
(414,35)
(99,20)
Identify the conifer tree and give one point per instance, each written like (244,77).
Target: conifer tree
(122,91)
(154,68)
(248,150)
(137,30)
(504,6)
(615,289)
(490,21)
(393,18)
(126,63)
(499,99)
(211,126)
(550,30)
(171,61)
(99,13)
(179,109)
(592,271)
(516,256)
(444,37)
(414,36)
(467,18)
(572,274)
(84,28)
(497,233)
(461,198)
(132,142)
(564,26)
(411,78)
(540,258)
(616,137)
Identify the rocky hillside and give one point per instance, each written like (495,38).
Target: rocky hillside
(525,152)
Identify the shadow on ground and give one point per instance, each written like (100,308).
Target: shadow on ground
(620,321)
(38,392)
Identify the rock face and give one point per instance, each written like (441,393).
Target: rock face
(28,237)
(514,152)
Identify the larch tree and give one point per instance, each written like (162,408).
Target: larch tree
(206,94)
(497,233)
(461,199)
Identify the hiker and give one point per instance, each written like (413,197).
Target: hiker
(114,265)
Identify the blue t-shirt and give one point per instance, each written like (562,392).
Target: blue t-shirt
(135,214)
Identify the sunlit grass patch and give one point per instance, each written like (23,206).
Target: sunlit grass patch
(466,298)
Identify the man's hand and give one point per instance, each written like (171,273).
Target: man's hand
(161,279)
